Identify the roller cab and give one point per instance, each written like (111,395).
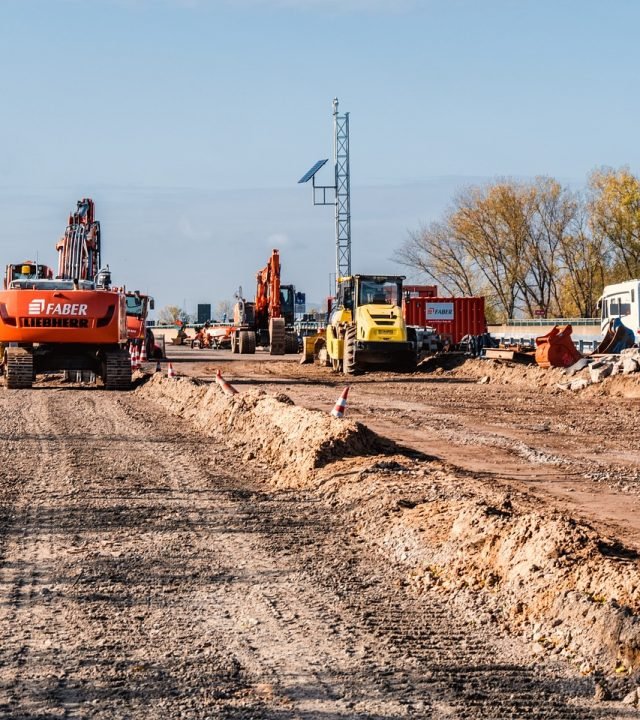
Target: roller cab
(366,327)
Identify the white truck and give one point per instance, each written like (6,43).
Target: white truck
(621,301)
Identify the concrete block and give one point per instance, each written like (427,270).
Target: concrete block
(599,373)
(579,384)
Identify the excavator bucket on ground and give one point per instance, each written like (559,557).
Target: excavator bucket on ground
(617,338)
(556,348)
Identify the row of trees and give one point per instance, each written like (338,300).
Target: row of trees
(534,246)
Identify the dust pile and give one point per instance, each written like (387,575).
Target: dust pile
(557,582)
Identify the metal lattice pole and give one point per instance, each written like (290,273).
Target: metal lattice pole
(343,191)
(338,194)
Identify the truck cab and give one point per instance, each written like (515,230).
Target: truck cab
(621,301)
(138,306)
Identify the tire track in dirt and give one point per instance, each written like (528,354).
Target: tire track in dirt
(29,457)
(294,532)
(179,584)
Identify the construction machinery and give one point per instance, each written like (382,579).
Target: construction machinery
(203,338)
(138,306)
(268,321)
(619,307)
(73,322)
(366,327)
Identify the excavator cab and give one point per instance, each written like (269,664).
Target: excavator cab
(287,304)
(27,270)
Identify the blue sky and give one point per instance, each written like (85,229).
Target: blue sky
(190,121)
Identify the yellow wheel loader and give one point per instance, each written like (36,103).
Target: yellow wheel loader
(366,328)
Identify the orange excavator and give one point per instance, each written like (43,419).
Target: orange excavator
(73,322)
(267,322)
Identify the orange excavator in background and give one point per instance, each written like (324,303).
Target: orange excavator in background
(267,322)
(73,322)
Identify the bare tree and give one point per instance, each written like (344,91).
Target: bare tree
(439,256)
(534,245)
(490,225)
(224,310)
(550,211)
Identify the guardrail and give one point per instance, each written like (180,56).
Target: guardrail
(528,341)
(186,326)
(542,322)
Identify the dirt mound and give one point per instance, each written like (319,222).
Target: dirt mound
(554,380)
(509,373)
(293,440)
(556,581)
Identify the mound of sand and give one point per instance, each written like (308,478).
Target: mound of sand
(293,440)
(558,582)
(554,380)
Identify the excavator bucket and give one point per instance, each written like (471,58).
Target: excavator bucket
(308,344)
(277,336)
(617,338)
(556,348)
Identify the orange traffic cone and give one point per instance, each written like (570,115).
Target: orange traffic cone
(229,389)
(143,352)
(341,404)
(136,359)
(171,373)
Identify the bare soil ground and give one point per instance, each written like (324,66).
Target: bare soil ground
(453,549)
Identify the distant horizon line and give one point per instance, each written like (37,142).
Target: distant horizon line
(427,180)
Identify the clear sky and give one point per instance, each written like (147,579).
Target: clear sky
(190,121)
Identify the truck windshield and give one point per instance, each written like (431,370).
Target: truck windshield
(379,292)
(135,305)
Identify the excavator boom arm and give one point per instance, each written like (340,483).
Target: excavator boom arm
(268,290)
(79,247)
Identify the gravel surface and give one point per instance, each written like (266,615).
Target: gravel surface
(152,569)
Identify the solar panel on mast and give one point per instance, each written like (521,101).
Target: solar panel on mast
(339,193)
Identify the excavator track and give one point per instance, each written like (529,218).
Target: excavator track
(19,367)
(291,343)
(117,370)
(277,336)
